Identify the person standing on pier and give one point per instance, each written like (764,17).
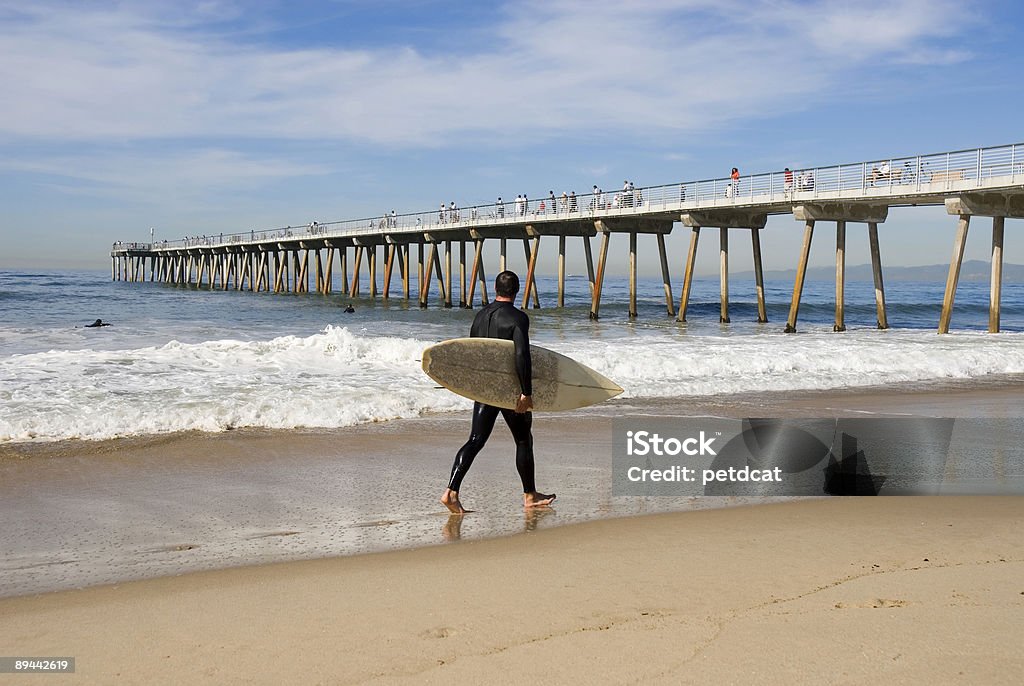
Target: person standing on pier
(502,319)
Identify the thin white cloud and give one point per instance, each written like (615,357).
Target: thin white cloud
(129,71)
(187,175)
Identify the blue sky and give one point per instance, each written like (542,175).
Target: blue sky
(202,117)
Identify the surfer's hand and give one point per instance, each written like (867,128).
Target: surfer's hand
(525,404)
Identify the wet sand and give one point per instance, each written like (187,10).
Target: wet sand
(92,513)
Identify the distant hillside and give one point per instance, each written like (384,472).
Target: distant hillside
(971,270)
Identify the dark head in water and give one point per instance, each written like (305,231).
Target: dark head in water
(349,309)
(98,322)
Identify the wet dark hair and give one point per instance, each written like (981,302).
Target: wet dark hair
(506,284)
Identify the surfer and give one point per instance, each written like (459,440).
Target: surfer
(349,309)
(97,323)
(501,319)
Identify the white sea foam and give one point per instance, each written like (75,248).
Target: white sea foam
(330,379)
(710,365)
(339,378)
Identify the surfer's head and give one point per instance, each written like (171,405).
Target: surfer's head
(506,284)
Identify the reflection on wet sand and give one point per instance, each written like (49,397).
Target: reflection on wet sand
(452,529)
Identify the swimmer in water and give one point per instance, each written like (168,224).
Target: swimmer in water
(97,323)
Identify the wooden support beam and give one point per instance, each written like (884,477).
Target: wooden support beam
(319,273)
(425,282)
(531,280)
(959,244)
(436,252)
(691,259)
(389,264)
(483,279)
(561,271)
(243,272)
(357,263)
(530,271)
(723,268)
(590,264)
(474,273)
(632,274)
(304,277)
(801,273)
(595,302)
(278,272)
(762,310)
(665,279)
(329,272)
(502,264)
(372,252)
(403,262)
(996,284)
(225,272)
(343,263)
(448,274)
(419,273)
(462,274)
(840,324)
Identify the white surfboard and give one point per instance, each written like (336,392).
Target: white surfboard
(484,369)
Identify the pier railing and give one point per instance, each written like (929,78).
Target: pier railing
(892,179)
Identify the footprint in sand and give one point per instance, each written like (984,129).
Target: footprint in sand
(174,548)
(876,603)
(439,632)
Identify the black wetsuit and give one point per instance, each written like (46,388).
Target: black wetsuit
(502,320)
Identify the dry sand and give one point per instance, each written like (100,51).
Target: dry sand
(894,590)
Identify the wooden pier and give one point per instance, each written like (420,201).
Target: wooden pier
(987,182)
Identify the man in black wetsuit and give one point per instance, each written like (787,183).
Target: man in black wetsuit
(502,319)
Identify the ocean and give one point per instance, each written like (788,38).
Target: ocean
(184,359)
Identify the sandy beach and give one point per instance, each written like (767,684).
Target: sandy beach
(905,590)
(258,557)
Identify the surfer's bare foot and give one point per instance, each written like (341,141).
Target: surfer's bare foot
(536,499)
(450,499)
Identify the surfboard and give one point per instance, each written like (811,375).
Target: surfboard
(483,369)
